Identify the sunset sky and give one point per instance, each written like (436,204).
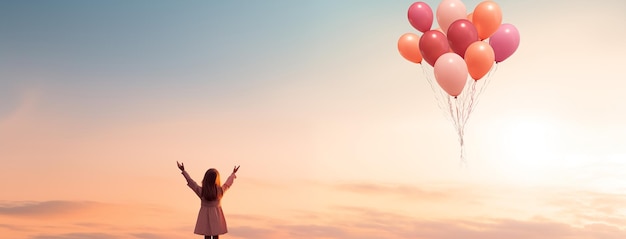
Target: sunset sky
(337,135)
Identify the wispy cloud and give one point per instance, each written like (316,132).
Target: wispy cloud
(88,219)
(46,208)
(251,232)
(78,236)
(563,215)
(313,231)
(13,227)
(354,222)
(146,235)
(591,207)
(404,191)
(567,215)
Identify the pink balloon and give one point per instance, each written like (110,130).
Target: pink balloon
(432,45)
(461,34)
(451,73)
(420,16)
(449,11)
(504,42)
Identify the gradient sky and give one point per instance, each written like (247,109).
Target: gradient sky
(337,135)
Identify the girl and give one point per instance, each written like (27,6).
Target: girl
(210,222)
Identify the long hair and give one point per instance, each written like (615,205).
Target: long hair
(211,186)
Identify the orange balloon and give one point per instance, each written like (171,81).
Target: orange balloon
(479,57)
(409,47)
(487,17)
(470,17)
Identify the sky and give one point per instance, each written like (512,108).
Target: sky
(337,135)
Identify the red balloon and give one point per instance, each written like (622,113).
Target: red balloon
(420,16)
(461,34)
(432,45)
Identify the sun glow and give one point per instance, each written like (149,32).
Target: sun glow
(528,147)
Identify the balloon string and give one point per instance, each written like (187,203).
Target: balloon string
(432,86)
(485,81)
(459,113)
(462,149)
(471,98)
(469,94)
(471,101)
(438,93)
(464,104)
(452,114)
(460,131)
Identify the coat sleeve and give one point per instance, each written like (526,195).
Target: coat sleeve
(192,184)
(229,182)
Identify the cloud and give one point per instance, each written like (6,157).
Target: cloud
(313,231)
(440,212)
(250,232)
(146,235)
(46,208)
(13,227)
(60,208)
(576,214)
(251,218)
(77,236)
(603,208)
(408,191)
(591,207)
(88,219)
(395,189)
(104,235)
(350,222)
(96,225)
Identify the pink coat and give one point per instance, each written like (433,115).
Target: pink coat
(211,221)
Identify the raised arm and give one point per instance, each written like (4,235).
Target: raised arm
(192,184)
(230,179)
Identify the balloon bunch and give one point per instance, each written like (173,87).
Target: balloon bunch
(463,52)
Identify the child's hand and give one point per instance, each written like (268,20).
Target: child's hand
(235,169)
(181,166)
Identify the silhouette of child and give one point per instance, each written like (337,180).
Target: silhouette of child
(211,222)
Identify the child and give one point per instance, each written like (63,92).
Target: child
(211,222)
